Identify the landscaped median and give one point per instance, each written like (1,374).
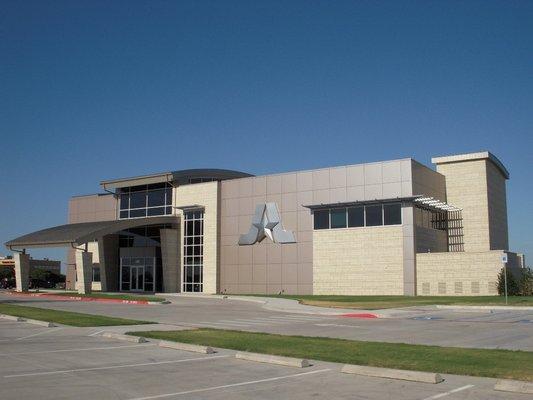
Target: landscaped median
(382,302)
(65,317)
(505,364)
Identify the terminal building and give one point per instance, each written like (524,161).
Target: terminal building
(383,228)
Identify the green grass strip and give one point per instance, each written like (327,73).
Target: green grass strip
(381,302)
(65,317)
(450,360)
(96,295)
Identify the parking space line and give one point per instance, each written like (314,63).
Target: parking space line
(277,378)
(39,333)
(96,333)
(113,367)
(459,389)
(82,349)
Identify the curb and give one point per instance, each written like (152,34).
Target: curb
(186,347)
(12,318)
(29,321)
(42,323)
(269,359)
(127,338)
(507,385)
(360,315)
(415,376)
(514,308)
(89,299)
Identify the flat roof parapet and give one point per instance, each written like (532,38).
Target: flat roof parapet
(482,155)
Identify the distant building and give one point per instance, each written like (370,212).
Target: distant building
(45,264)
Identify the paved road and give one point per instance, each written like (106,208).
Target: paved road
(481,329)
(67,363)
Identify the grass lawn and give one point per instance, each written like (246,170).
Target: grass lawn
(65,317)
(452,360)
(380,302)
(119,296)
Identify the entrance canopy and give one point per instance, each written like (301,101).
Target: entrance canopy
(78,234)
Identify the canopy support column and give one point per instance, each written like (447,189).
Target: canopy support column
(22,271)
(170,257)
(84,271)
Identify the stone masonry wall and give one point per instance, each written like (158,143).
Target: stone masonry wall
(360,261)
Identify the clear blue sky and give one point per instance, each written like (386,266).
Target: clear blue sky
(91,90)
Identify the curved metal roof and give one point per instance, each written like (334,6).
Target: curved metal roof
(181,177)
(81,233)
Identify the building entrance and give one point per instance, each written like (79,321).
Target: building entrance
(137,274)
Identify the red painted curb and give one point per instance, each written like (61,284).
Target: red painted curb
(78,298)
(359,315)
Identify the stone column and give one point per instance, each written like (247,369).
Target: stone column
(170,257)
(109,265)
(409,254)
(84,271)
(22,271)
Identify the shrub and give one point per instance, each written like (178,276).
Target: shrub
(525,282)
(512,285)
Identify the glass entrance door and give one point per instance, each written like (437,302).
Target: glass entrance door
(137,278)
(137,274)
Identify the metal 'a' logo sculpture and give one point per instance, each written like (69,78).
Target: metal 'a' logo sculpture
(266,223)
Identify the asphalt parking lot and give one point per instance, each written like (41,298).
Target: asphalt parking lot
(67,362)
(443,327)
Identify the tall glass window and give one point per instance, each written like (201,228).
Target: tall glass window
(193,251)
(145,201)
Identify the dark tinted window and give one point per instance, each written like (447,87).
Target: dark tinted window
(356,217)
(156,198)
(138,200)
(321,219)
(392,214)
(374,216)
(338,218)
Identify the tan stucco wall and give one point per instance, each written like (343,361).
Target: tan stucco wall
(461,273)
(358,261)
(206,195)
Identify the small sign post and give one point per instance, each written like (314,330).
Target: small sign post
(504,261)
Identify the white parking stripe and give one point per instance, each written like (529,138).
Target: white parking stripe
(277,378)
(74,350)
(39,333)
(438,396)
(96,333)
(113,367)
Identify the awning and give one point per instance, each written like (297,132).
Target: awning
(81,233)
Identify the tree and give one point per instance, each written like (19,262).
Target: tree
(525,283)
(512,286)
